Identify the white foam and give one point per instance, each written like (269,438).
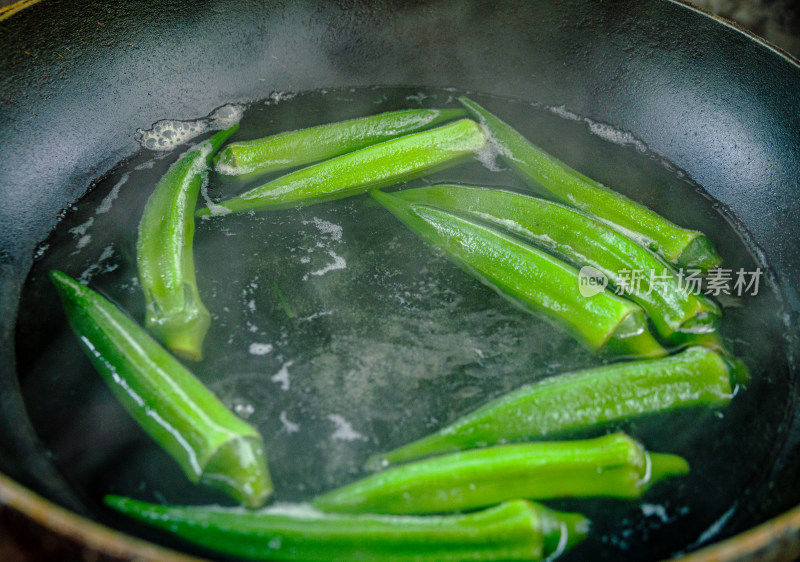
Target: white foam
(257,348)
(615,135)
(492,150)
(419,97)
(226,116)
(655,510)
(282,376)
(316,315)
(300,510)
(230,170)
(83,241)
(98,266)
(489,154)
(562,111)
(40,251)
(244,409)
(167,134)
(215,209)
(288,425)
(344,431)
(326,227)
(277,97)
(602,130)
(82,229)
(105,204)
(338,263)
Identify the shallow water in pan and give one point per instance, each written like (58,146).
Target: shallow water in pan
(338,333)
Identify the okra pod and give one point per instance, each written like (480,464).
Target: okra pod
(516,530)
(171,405)
(686,248)
(175,314)
(541,283)
(676,313)
(613,466)
(304,146)
(378,165)
(585,399)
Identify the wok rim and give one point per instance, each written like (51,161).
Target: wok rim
(774,540)
(89,535)
(789,57)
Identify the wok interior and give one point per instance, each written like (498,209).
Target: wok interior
(723,115)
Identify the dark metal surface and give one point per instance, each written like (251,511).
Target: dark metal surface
(77,79)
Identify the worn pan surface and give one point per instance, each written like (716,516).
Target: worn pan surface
(77,79)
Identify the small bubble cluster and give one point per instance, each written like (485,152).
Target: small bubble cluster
(167,134)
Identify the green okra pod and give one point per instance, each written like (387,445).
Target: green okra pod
(516,530)
(175,314)
(554,406)
(304,146)
(171,405)
(378,165)
(532,278)
(686,248)
(612,466)
(676,313)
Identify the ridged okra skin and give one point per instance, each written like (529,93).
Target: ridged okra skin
(613,466)
(686,248)
(375,166)
(677,314)
(172,406)
(175,314)
(532,278)
(304,146)
(516,530)
(584,399)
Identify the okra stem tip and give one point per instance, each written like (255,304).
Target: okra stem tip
(661,466)
(239,468)
(700,254)
(187,342)
(739,372)
(561,530)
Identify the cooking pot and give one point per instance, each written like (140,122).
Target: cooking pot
(77,79)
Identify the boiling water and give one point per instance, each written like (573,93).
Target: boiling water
(338,333)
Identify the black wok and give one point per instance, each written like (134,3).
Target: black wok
(76,80)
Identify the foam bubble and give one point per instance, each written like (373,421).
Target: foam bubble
(615,135)
(326,227)
(489,154)
(215,209)
(168,134)
(337,263)
(277,97)
(288,425)
(562,111)
(83,241)
(602,130)
(105,204)
(99,266)
(299,510)
(260,348)
(282,376)
(344,431)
